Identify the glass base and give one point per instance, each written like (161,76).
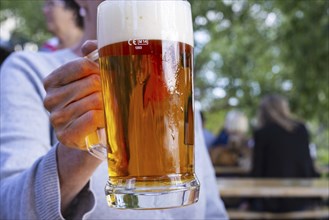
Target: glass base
(161,196)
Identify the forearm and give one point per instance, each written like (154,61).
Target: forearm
(75,167)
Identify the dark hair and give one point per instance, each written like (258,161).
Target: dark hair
(72,5)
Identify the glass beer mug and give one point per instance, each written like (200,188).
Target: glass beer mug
(146,65)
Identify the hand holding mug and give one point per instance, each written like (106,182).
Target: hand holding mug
(74,100)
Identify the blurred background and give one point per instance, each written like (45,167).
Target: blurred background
(247,49)
(243,50)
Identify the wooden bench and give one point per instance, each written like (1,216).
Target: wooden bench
(261,188)
(244,171)
(306,214)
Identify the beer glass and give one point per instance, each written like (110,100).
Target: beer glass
(146,66)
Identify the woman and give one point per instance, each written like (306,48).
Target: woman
(64,21)
(46,179)
(281,150)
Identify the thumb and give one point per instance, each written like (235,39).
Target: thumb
(88,47)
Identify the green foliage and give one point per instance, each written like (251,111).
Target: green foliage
(304,44)
(30,22)
(214,121)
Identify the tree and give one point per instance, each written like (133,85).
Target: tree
(246,49)
(29,21)
(257,47)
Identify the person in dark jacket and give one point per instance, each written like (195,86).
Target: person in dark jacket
(281,151)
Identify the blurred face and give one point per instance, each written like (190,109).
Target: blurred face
(57,15)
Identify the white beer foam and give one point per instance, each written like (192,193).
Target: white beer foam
(153,20)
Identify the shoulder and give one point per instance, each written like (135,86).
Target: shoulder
(266,131)
(261,130)
(23,72)
(34,63)
(34,57)
(301,127)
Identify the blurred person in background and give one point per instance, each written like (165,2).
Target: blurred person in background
(45,168)
(281,151)
(64,21)
(230,145)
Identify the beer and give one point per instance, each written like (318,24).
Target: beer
(148,109)
(147,83)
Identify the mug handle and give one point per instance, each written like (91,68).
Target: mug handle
(96,141)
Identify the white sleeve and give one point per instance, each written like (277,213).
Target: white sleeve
(215,208)
(28,164)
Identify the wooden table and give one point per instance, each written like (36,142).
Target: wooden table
(257,187)
(253,188)
(238,170)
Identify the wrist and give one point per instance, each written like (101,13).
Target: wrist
(75,168)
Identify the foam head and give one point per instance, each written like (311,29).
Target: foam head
(120,21)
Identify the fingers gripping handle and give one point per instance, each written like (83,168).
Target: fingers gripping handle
(96,141)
